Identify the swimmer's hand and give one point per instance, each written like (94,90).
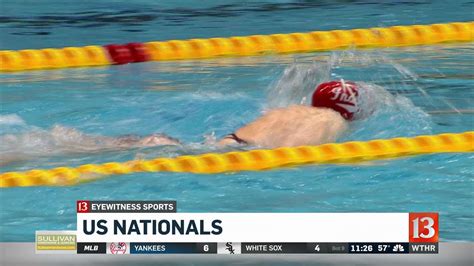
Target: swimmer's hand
(210,139)
(226,142)
(133,141)
(158,140)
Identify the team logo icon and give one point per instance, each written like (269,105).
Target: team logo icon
(230,248)
(118,248)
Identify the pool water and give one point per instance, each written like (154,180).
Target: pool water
(431,87)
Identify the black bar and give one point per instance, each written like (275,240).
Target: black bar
(161,206)
(424,248)
(273,248)
(327,248)
(269,248)
(91,248)
(172,248)
(205,248)
(378,248)
(338,248)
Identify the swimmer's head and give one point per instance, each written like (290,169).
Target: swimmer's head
(343,97)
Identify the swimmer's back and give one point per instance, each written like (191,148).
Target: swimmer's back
(294,126)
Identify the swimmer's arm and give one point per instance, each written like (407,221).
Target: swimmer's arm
(132,141)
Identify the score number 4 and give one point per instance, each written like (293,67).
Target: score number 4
(423,227)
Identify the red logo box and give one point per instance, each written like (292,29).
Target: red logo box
(423,227)
(83,206)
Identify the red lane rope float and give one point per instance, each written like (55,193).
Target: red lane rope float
(128,53)
(235,46)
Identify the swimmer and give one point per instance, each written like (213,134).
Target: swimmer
(334,104)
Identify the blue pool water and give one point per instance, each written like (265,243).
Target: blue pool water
(192,100)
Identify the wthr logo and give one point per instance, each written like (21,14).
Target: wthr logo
(423,227)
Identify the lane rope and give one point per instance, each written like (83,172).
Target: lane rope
(115,54)
(254,160)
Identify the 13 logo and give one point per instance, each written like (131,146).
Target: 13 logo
(423,227)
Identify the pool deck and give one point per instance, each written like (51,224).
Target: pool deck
(450,254)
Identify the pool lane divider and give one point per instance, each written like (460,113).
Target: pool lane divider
(117,54)
(253,160)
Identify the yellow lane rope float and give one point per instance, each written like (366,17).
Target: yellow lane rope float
(254,160)
(235,46)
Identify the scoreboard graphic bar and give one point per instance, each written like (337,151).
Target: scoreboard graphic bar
(155,227)
(230,248)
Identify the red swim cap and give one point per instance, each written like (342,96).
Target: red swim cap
(340,96)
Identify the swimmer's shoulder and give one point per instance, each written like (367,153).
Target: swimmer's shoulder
(305,111)
(290,109)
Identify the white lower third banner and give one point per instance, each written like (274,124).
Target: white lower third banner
(243,227)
